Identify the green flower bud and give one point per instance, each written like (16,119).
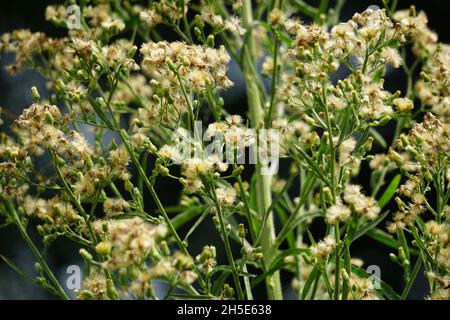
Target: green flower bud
(242,231)
(86,255)
(132,52)
(35,94)
(228,291)
(210,41)
(103,248)
(38,267)
(128,185)
(165,248)
(393,257)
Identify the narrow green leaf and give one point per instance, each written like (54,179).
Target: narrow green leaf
(218,283)
(16,268)
(181,219)
(369,226)
(288,253)
(378,138)
(278,263)
(268,273)
(252,195)
(386,239)
(196,224)
(225,268)
(390,191)
(311,278)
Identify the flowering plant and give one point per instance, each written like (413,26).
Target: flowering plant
(127,109)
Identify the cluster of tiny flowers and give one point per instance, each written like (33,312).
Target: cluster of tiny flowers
(363,205)
(128,240)
(123,115)
(198,66)
(324,248)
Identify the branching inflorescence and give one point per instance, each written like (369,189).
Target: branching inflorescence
(113,74)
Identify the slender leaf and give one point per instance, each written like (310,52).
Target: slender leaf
(288,253)
(16,268)
(378,138)
(369,226)
(390,191)
(278,263)
(181,219)
(311,278)
(386,239)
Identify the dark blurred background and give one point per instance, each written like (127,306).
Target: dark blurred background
(15,96)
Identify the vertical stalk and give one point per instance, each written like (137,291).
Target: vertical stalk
(337,262)
(12,211)
(263,187)
(228,251)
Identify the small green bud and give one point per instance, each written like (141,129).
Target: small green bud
(137,193)
(412,151)
(308,119)
(59,161)
(132,52)
(210,41)
(163,171)
(197,32)
(220,102)
(393,257)
(401,254)
(35,94)
(406,263)
(38,267)
(128,185)
(133,272)
(40,230)
(345,275)
(86,255)
(228,291)
(425,76)
(86,295)
(242,231)
(41,281)
(103,248)
(259,256)
(395,156)
(171,65)
(89,163)
(237,171)
(367,146)
(165,248)
(151,147)
(58,211)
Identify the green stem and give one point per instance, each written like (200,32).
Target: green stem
(228,251)
(58,288)
(337,262)
(187,29)
(74,199)
(247,208)
(411,279)
(273,282)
